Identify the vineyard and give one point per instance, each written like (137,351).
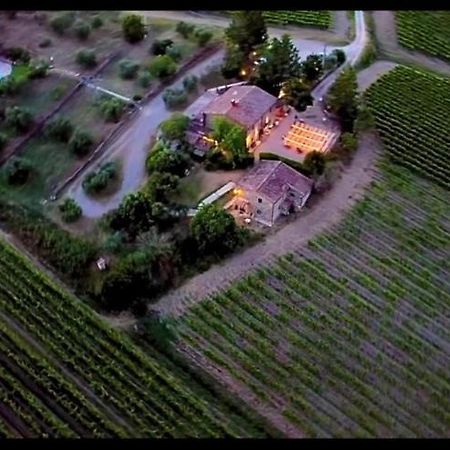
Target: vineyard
(65,373)
(318,19)
(426,31)
(411,110)
(349,336)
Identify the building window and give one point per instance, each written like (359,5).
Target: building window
(259,200)
(292,194)
(258,211)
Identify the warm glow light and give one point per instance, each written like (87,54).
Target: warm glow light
(243,72)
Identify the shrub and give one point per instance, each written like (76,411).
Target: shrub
(82,30)
(161,47)
(340,56)
(349,142)
(174,97)
(202,37)
(112,109)
(162,159)
(128,69)
(145,79)
(60,129)
(160,185)
(62,22)
(114,243)
(133,28)
(17,171)
(18,118)
(190,83)
(175,52)
(162,66)
(86,58)
(314,163)
(70,210)
(97,181)
(18,55)
(13,85)
(184,29)
(39,70)
(80,143)
(97,22)
(174,128)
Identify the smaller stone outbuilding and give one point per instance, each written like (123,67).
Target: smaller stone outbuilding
(268,190)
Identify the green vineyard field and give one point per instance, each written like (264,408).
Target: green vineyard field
(349,337)
(426,31)
(66,373)
(317,19)
(412,113)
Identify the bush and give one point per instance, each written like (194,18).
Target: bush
(112,109)
(314,163)
(97,181)
(175,52)
(70,211)
(80,143)
(82,30)
(162,66)
(133,28)
(60,129)
(162,159)
(17,171)
(39,70)
(184,29)
(62,22)
(114,243)
(160,185)
(20,119)
(161,47)
(340,56)
(174,128)
(202,37)
(86,58)
(348,142)
(128,69)
(97,22)
(190,83)
(13,85)
(18,54)
(175,97)
(145,79)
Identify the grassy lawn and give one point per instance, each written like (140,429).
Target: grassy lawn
(200,183)
(50,161)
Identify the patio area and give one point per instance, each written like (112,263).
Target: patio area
(312,123)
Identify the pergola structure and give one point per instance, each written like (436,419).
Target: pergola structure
(307,138)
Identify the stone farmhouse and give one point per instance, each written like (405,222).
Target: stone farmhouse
(248,106)
(268,190)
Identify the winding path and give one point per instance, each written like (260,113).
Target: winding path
(131,147)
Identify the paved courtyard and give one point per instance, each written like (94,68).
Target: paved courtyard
(273,142)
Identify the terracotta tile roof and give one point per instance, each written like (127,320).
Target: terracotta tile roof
(251,102)
(273,178)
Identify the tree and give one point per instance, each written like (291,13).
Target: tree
(97,22)
(98,180)
(297,94)
(343,98)
(161,47)
(128,69)
(160,185)
(60,129)
(162,159)
(18,171)
(203,37)
(3,141)
(18,118)
(215,230)
(247,31)
(162,66)
(70,210)
(281,62)
(145,79)
(133,28)
(233,63)
(86,58)
(231,140)
(340,56)
(314,163)
(80,143)
(134,214)
(312,67)
(112,109)
(185,29)
(62,22)
(18,55)
(174,128)
(349,142)
(175,97)
(82,30)
(190,83)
